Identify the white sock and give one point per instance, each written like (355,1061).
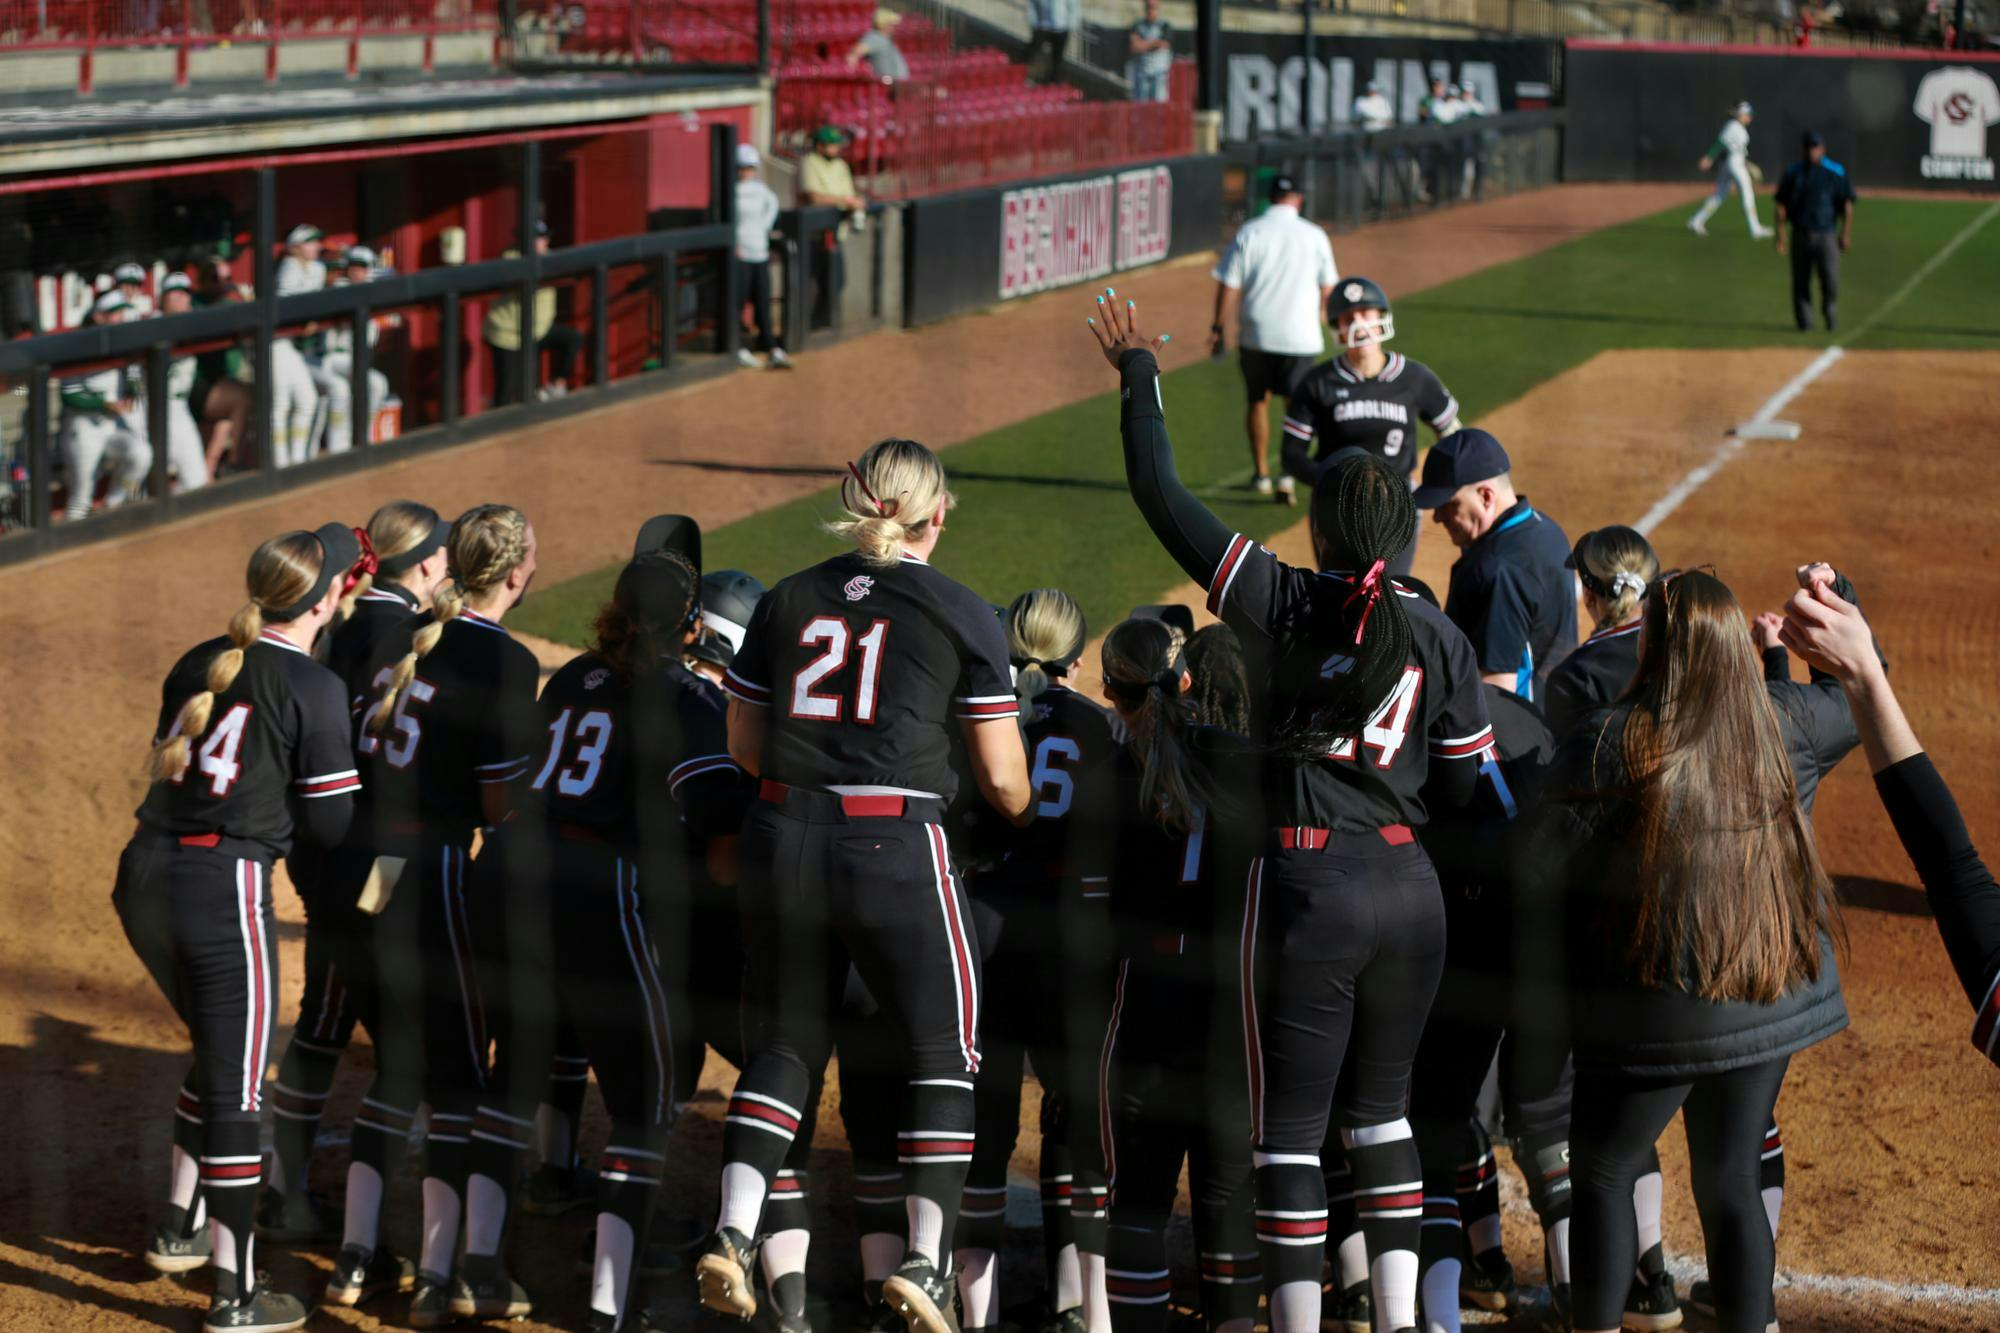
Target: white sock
(225,1249)
(183,1178)
(1556,1239)
(1647,1192)
(1069,1279)
(485,1214)
(611,1270)
(1774,1203)
(743,1189)
(1295,1308)
(1394,1279)
(1441,1297)
(1706,211)
(978,1287)
(784,1252)
(440,1235)
(926,1227)
(1096,1301)
(1483,1235)
(554,1137)
(1352,1259)
(200,1215)
(1370,1136)
(881,1252)
(364,1206)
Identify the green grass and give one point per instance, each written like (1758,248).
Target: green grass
(1043,501)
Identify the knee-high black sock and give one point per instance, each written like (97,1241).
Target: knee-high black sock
(757,1134)
(569,1081)
(495,1161)
(1343,1227)
(381,1136)
(1771,1175)
(1291,1220)
(298,1098)
(788,1232)
(1059,1187)
(232,1168)
(881,1220)
(1479,1193)
(1389,1197)
(934,1148)
(447,1150)
(185,1212)
(628,1178)
(1137,1278)
(1544,1161)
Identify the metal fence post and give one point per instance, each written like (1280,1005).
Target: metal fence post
(600,326)
(528,356)
(158,364)
(263,236)
(361,411)
(722,204)
(449,338)
(40,455)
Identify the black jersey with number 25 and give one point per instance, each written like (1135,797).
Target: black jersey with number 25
(278,733)
(863,667)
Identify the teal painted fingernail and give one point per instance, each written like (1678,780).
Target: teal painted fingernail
(1100,300)
(1091,322)
(1166,338)
(1131,305)
(1109,292)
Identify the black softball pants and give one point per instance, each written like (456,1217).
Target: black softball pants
(325,1023)
(830,881)
(1613,1127)
(1343,941)
(1174,1091)
(199,916)
(753,279)
(1815,252)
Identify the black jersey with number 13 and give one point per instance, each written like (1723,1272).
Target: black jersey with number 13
(862,667)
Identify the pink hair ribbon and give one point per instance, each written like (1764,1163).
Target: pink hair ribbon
(1370,588)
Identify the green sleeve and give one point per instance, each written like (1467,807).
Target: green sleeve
(83,400)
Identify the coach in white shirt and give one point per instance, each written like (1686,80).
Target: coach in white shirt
(1278,273)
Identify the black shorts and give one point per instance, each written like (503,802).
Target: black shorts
(1267,373)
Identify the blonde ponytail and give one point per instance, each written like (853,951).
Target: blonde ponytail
(1142,671)
(1616,565)
(486,544)
(1044,630)
(281,571)
(891,494)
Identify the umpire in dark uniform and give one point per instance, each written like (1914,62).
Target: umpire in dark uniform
(1817,199)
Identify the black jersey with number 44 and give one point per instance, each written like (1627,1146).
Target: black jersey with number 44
(1436,710)
(1339,408)
(619,755)
(466,721)
(278,733)
(863,667)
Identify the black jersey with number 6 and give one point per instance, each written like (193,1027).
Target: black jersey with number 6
(1341,409)
(278,733)
(1071,749)
(863,667)
(466,721)
(619,755)
(1436,710)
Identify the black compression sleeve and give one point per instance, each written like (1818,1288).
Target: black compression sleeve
(1297,461)
(1963,896)
(1777,663)
(1195,538)
(323,820)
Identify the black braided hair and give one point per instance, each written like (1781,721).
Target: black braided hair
(1221,693)
(1361,513)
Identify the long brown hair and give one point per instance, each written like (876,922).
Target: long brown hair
(1732,898)
(1142,672)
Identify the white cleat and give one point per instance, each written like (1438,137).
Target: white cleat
(1697,226)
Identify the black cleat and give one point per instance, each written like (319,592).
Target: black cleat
(722,1274)
(430,1302)
(262,1311)
(1353,1310)
(1652,1303)
(485,1290)
(920,1296)
(171,1252)
(284,1219)
(1488,1281)
(358,1275)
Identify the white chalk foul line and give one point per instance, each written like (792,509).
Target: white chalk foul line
(1779,401)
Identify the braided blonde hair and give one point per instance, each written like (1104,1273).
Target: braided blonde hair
(281,571)
(485,545)
(890,496)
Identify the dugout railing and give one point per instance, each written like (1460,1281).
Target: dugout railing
(32,368)
(1352,178)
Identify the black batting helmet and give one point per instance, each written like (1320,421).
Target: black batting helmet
(1357,293)
(728,597)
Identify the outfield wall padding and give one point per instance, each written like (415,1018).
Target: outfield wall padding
(1909,119)
(965,251)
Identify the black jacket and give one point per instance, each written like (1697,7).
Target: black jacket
(1584,863)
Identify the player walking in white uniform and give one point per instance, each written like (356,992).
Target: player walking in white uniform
(1730,156)
(101,418)
(294,389)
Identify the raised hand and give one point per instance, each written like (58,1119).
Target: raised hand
(1118,333)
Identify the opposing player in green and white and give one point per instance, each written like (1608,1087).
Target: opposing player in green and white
(1730,156)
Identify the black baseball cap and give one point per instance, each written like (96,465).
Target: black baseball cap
(1814,139)
(1460,459)
(670,532)
(1282,185)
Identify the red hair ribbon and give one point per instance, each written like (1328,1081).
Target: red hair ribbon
(884,510)
(1370,588)
(367,564)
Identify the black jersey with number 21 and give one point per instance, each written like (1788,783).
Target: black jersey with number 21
(863,667)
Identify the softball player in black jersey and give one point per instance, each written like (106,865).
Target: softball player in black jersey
(449,729)
(1172,1058)
(407,541)
(1356,686)
(251,752)
(1047,970)
(840,697)
(1365,398)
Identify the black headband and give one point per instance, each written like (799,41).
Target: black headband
(433,542)
(340,551)
(1133,692)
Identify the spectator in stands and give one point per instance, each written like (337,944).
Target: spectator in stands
(357,265)
(878,48)
(1049,22)
(221,398)
(1372,111)
(826,182)
(102,426)
(131,280)
(185,455)
(503,337)
(756,214)
(1427,110)
(1151,45)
